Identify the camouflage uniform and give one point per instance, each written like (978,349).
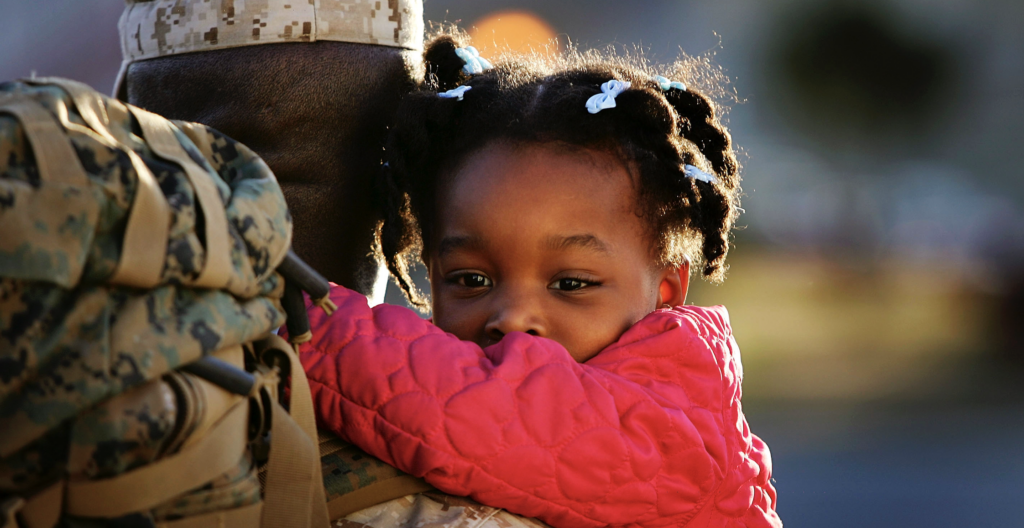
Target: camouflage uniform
(435,510)
(89,345)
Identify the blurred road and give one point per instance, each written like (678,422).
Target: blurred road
(899,467)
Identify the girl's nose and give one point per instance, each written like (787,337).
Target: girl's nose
(518,316)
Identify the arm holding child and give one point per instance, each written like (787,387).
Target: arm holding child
(647,433)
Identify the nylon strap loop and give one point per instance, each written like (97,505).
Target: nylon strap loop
(217,453)
(160,137)
(145,239)
(64,188)
(56,159)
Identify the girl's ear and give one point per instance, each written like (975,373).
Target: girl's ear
(674,284)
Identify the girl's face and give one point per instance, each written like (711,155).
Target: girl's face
(544,240)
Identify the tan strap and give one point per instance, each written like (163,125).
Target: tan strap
(217,453)
(42,510)
(376,493)
(161,138)
(244,517)
(9,509)
(56,159)
(294,492)
(63,182)
(145,240)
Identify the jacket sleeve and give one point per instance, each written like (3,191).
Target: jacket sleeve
(637,436)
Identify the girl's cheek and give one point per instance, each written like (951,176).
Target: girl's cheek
(451,318)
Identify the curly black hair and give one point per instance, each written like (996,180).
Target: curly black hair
(537,99)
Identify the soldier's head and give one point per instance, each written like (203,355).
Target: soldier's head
(314,99)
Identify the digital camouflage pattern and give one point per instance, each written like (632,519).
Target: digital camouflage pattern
(349,469)
(86,383)
(435,510)
(157,28)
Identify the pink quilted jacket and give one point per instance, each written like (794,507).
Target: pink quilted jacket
(647,433)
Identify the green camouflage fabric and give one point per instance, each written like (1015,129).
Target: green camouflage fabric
(87,388)
(435,510)
(349,469)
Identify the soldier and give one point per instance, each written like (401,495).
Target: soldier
(309,86)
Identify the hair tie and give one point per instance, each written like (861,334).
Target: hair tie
(455,93)
(474,63)
(606,99)
(693,172)
(667,85)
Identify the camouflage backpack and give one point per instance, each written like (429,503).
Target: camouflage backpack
(142,277)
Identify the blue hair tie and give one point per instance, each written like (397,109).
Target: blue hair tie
(693,172)
(667,85)
(474,62)
(455,93)
(606,99)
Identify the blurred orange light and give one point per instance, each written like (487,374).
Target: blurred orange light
(519,31)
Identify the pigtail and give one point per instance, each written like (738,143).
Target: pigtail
(396,243)
(716,204)
(699,124)
(415,152)
(443,65)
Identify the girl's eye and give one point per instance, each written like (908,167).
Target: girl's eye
(571,284)
(473,280)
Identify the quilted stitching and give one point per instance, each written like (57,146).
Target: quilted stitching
(647,433)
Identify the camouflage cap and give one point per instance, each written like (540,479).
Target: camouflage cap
(158,28)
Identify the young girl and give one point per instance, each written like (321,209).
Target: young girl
(557,211)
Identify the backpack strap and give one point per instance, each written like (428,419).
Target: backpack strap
(294,489)
(145,239)
(63,193)
(148,486)
(160,136)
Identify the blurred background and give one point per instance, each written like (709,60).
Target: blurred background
(877,285)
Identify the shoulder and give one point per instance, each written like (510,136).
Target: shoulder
(699,321)
(688,346)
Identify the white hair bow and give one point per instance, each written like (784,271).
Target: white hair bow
(474,62)
(606,99)
(693,172)
(455,93)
